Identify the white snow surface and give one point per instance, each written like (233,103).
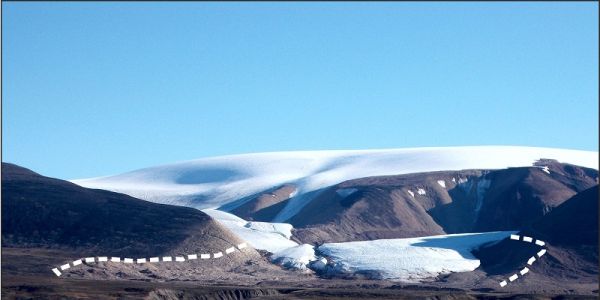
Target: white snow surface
(345,192)
(297,257)
(546,169)
(283,229)
(215,181)
(272,237)
(411,259)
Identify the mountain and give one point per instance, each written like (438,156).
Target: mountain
(432,203)
(262,206)
(381,207)
(570,232)
(222,181)
(47,213)
(573,223)
(47,223)
(433,226)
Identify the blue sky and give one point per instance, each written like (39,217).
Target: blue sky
(94,89)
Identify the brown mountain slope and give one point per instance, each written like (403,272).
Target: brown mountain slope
(571,235)
(517,196)
(575,222)
(264,206)
(376,208)
(439,202)
(48,222)
(42,212)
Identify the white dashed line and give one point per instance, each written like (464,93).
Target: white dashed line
(531,260)
(542,252)
(144,260)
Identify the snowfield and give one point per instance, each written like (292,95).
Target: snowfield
(409,260)
(215,181)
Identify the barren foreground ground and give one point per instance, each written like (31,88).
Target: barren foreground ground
(25,275)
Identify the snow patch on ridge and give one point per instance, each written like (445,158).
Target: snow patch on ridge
(293,193)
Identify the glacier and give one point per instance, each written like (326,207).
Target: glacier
(215,181)
(272,237)
(410,259)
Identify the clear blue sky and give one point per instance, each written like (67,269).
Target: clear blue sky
(94,89)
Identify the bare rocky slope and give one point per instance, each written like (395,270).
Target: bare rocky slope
(433,203)
(41,213)
(570,232)
(263,206)
(575,222)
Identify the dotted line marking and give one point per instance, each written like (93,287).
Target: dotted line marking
(531,260)
(57,270)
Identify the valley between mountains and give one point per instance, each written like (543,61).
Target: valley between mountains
(388,224)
